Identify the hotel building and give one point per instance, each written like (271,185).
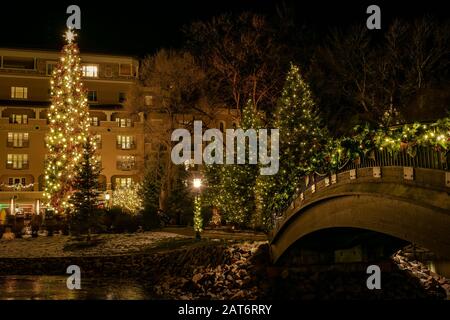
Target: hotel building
(24,99)
(126,141)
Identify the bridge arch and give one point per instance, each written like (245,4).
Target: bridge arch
(406,211)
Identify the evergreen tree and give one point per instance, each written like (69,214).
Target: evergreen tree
(151,188)
(301,139)
(68,117)
(84,201)
(236,189)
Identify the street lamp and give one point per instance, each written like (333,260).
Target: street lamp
(107,197)
(197,183)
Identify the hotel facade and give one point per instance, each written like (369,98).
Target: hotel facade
(24,100)
(127,141)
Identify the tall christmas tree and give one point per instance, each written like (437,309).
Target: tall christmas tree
(301,143)
(69,122)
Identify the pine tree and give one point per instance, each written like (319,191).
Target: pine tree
(68,117)
(236,190)
(84,201)
(301,143)
(151,188)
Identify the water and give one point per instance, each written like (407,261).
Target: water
(27,287)
(440,267)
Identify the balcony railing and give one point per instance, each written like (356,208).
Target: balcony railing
(22,166)
(24,144)
(427,158)
(126,165)
(126,146)
(17,187)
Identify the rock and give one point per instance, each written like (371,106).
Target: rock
(8,236)
(238,295)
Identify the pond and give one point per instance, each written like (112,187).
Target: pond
(26,287)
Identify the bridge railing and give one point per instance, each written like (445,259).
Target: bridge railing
(423,157)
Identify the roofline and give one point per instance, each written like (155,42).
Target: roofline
(57,52)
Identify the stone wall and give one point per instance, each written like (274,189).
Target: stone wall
(180,261)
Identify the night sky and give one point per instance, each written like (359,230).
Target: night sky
(141,27)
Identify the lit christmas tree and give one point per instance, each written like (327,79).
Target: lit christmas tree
(68,128)
(301,144)
(236,190)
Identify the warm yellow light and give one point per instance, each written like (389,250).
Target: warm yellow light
(197,183)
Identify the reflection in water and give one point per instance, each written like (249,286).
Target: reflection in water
(26,287)
(440,267)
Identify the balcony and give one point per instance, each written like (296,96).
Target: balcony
(17,166)
(125,165)
(17,187)
(24,144)
(126,146)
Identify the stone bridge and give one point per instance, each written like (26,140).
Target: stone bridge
(401,196)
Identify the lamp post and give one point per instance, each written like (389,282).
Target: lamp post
(107,198)
(198,221)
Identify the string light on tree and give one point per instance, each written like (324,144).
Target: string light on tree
(301,139)
(68,118)
(129,198)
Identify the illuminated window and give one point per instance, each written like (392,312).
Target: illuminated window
(123,122)
(148,100)
(17,139)
(90,71)
(125,142)
(19,92)
(94,121)
(17,161)
(18,118)
(124,182)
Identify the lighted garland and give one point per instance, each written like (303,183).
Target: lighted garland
(306,147)
(17,186)
(407,137)
(198,219)
(68,123)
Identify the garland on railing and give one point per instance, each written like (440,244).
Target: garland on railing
(337,153)
(408,137)
(17,186)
